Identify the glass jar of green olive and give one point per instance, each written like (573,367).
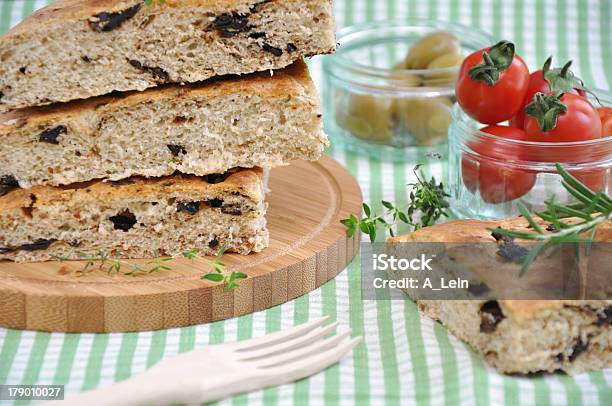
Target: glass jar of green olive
(389,88)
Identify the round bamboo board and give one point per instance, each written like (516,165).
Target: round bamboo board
(308,246)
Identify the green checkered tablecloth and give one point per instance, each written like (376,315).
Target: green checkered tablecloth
(405,358)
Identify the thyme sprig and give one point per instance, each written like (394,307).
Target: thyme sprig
(428,203)
(111,264)
(114,264)
(592,209)
(221,275)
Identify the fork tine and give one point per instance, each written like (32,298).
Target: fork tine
(290,345)
(279,336)
(293,371)
(311,349)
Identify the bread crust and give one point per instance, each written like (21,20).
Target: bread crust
(74,10)
(477,231)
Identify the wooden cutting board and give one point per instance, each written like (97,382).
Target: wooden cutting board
(308,246)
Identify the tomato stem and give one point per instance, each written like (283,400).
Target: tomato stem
(547,65)
(545,108)
(561,79)
(495,61)
(565,69)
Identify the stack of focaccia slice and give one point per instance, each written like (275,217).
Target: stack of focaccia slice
(120,135)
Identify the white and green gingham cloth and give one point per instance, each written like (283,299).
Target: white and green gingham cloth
(405,358)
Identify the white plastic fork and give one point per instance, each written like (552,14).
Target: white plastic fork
(219,371)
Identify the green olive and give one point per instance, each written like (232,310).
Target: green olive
(427,120)
(367,117)
(446,61)
(430,47)
(443,61)
(404,79)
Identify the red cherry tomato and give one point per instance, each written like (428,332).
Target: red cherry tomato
(469,172)
(605,115)
(497,181)
(594,179)
(492,98)
(579,123)
(562,78)
(537,83)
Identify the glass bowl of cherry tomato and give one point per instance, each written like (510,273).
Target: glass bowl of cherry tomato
(389,88)
(511,129)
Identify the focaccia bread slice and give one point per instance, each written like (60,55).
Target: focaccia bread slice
(77,49)
(135,217)
(529,336)
(522,336)
(254,120)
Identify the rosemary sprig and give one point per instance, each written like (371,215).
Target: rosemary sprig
(428,203)
(220,274)
(592,208)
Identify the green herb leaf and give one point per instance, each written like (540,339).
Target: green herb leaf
(351,231)
(363,225)
(221,275)
(531,256)
(215,277)
(347,222)
(525,212)
(221,251)
(372,231)
(351,224)
(191,254)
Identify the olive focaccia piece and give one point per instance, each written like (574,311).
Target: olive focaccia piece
(210,127)
(77,49)
(522,336)
(136,217)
